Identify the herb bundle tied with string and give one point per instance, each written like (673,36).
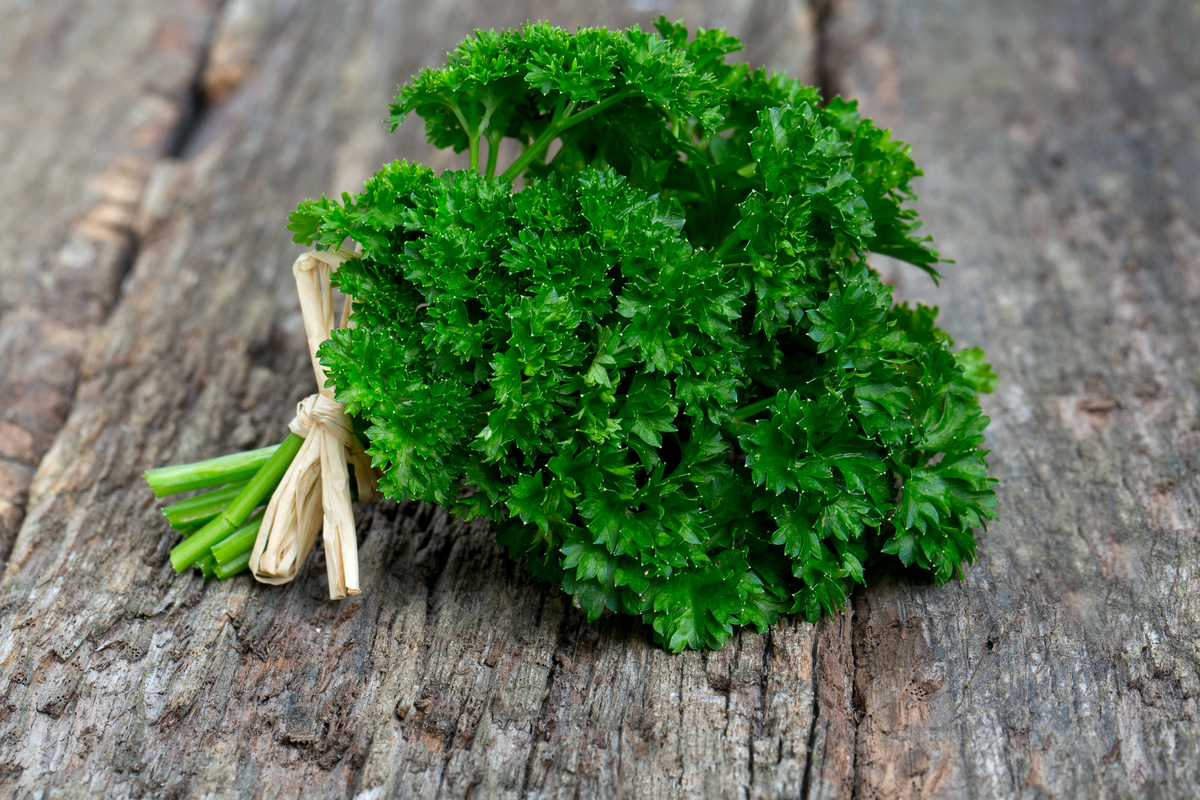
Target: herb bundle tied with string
(661,364)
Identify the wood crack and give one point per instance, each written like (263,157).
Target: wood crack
(75,279)
(198,103)
(540,728)
(759,723)
(1086,266)
(858,655)
(810,752)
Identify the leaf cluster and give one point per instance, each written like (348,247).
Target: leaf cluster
(663,367)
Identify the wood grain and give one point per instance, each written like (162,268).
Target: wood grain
(1061,145)
(454,674)
(150,310)
(92,95)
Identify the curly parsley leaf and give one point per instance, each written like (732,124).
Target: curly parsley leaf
(663,368)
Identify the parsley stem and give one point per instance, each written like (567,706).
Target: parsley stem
(556,127)
(475,152)
(207,565)
(493,153)
(238,542)
(739,426)
(731,241)
(734,430)
(596,109)
(233,566)
(252,495)
(207,474)
(754,408)
(195,511)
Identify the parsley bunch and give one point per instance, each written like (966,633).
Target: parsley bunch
(662,368)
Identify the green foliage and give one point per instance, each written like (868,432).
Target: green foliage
(662,368)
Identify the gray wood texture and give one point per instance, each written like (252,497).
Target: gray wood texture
(92,96)
(1061,145)
(147,317)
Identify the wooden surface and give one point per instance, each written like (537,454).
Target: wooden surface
(151,154)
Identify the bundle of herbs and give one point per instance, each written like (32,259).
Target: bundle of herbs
(661,366)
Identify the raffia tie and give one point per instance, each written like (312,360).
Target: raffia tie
(315,491)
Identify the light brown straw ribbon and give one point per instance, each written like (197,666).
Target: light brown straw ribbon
(315,491)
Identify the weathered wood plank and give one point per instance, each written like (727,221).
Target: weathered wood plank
(91,96)
(1061,144)
(453,674)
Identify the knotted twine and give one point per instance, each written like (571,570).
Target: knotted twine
(315,490)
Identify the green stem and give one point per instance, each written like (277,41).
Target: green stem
(207,474)
(533,151)
(472,132)
(493,154)
(238,542)
(556,127)
(187,514)
(754,408)
(736,429)
(252,495)
(474,152)
(731,241)
(739,426)
(207,566)
(232,567)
